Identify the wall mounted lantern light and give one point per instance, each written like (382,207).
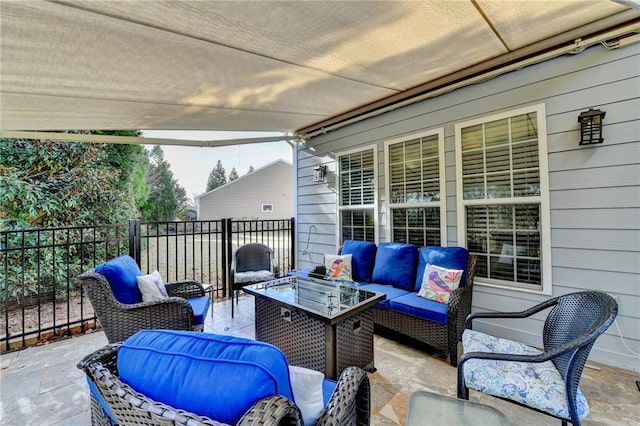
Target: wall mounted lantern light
(591,126)
(320,173)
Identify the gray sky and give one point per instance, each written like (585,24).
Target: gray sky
(191,165)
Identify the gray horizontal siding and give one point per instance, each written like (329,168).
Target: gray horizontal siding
(594,191)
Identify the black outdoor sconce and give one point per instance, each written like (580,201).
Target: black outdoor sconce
(319,173)
(591,126)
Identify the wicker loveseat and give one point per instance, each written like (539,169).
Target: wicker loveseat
(223,376)
(397,269)
(121,311)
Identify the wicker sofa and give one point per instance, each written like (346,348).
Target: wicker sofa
(218,373)
(397,269)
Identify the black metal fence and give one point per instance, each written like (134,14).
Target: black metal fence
(40,295)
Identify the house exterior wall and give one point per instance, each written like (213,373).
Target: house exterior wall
(244,197)
(594,191)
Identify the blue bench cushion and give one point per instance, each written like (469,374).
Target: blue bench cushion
(363,254)
(328,386)
(390,292)
(216,376)
(200,306)
(122,273)
(445,257)
(396,265)
(412,304)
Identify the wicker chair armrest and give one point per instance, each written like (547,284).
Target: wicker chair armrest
(350,402)
(456,297)
(272,410)
(185,289)
(513,315)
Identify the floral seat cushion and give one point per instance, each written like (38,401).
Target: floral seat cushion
(253,276)
(538,385)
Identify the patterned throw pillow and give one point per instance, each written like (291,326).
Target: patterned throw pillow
(152,287)
(338,267)
(438,283)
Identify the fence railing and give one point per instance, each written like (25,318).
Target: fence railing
(40,295)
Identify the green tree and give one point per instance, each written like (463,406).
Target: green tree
(166,196)
(216,177)
(250,169)
(233,175)
(45,183)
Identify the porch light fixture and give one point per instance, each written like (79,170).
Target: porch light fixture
(320,173)
(591,126)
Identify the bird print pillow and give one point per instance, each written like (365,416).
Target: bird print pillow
(438,283)
(338,267)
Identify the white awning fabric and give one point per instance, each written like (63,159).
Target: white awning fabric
(261,65)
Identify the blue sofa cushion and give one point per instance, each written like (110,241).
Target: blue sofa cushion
(200,306)
(363,255)
(396,265)
(390,292)
(412,304)
(328,386)
(122,273)
(216,376)
(445,257)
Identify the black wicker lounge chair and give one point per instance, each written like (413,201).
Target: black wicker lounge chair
(543,380)
(349,404)
(251,263)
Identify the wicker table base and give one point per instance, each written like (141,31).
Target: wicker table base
(316,344)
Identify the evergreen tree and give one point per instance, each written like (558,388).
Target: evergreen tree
(250,169)
(45,183)
(233,175)
(216,177)
(166,196)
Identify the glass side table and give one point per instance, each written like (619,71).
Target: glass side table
(427,408)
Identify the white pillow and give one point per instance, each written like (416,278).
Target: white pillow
(438,283)
(152,287)
(307,392)
(338,267)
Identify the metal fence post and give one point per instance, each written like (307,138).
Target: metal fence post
(134,240)
(293,243)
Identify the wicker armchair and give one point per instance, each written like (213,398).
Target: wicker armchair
(349,403)
(543,380)
(251,263)
(120,320)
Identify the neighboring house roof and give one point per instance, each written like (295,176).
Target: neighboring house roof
(241,178)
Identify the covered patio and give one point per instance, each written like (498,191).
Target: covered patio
(42,386)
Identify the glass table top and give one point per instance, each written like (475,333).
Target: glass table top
(326,298)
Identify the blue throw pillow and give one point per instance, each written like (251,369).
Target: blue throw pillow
(396,265)
(211,375)
(122,273)
(445,257)
(363,254)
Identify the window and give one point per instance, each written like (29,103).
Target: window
(503,198)
(357,206)
(416,190)
(267,208)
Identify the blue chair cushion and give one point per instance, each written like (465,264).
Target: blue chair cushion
(538,385)
(445,257)
(412,304)
(396,265)
(200,306)
(328,386)
(216,376)
(122,273)
(363,255)
(389,291)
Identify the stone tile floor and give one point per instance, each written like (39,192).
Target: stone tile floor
(42,386)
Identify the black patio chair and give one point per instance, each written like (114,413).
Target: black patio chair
(516,372)
(251,263)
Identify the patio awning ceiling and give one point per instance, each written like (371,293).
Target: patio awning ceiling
(299,67)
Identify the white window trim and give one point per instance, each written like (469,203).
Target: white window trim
(545,211)
(376,201)
(442,204)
